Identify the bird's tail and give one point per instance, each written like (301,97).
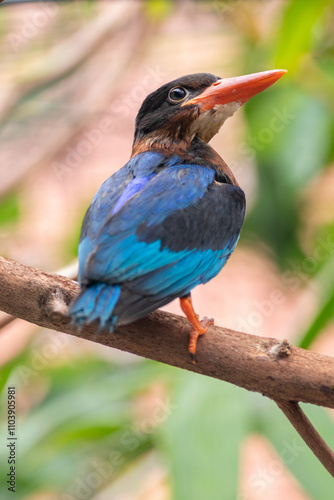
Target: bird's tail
(96,302)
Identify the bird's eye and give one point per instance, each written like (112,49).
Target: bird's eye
(177,94)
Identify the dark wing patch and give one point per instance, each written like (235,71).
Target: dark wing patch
(211,224)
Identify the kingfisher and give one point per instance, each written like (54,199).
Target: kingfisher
(170,218)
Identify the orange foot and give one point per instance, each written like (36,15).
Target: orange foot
(198,327)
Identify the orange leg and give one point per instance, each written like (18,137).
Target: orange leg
(198,327)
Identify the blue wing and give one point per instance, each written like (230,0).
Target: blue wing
(158,228)
(113,193)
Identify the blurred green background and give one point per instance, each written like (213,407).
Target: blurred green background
(94,424)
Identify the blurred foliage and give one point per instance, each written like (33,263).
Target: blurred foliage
(9,209)
(292,451)
(83,424)
(297,144)
(323,317)
(86,411)
(79,418)
(206,463)
(286,165)
(70,247)
(157,10)
(298,39)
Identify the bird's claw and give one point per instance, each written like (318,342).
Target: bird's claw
(206,322)
(193,358)
(195,332)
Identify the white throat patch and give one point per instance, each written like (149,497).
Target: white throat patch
(209,122)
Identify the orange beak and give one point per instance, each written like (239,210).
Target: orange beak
(240,88)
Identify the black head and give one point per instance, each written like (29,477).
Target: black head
(194,106)
(165,111)
(165,103)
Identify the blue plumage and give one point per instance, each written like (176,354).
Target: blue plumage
(97,302)
(118,246)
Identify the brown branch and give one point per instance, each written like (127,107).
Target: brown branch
(305,429)
(70,271)
(274,368)
(284,373)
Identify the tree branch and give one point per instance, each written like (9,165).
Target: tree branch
(305,429)
(266,365)
(272,367)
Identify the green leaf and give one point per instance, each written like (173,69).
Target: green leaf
(9,208)
(323,317)
(158,10)
(324,280)
(296,35)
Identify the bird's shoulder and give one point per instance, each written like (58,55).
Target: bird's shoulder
(110,192)
(143,180)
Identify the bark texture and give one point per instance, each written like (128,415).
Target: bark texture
(272,367)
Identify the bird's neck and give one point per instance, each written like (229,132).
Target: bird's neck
(195,151)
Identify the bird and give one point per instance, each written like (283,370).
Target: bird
(170,218)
